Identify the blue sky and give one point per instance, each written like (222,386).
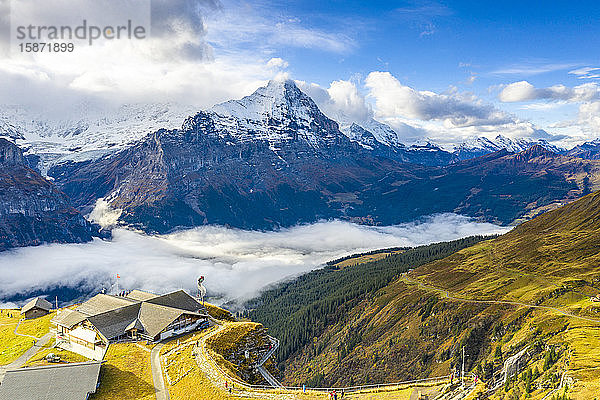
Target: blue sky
(470,48)
(447,70)
(435,44)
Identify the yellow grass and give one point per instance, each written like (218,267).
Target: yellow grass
(65,357)
(218,312)
(479,389)
(194,385)
(126,374)
(12,346)
(189,382)
(365,259)
(36,327)
(229,339)
(9,316)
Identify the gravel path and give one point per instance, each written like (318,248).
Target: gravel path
(19,362)
(162,393)
(505,302)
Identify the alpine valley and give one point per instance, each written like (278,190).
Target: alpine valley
(273,159)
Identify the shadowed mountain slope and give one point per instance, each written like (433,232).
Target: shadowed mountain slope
(32,209)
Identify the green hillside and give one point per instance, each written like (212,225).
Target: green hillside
(297,311)
(409,328)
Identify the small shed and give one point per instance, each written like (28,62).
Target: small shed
(37,307)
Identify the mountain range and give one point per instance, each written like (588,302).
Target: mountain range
(274,159)
(91,132)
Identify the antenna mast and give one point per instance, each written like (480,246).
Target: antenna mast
(201,289)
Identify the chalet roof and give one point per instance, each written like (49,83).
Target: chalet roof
(141,295)
(137,324)
(113,323)
(101,303)
(68,318)
(179,299)
(54,382)
(38,302)
(156,318)
(113,316)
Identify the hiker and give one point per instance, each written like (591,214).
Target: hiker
(334,395)
(225,384)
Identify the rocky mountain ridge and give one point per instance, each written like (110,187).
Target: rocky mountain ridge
(33,210)
(273,159)
(93,132)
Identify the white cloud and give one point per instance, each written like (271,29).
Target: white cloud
(541,106)
(525,91)
(345,96)
(584,126)
(277,62)
(517,91)
(254,27)
(392,100)
(237,263)
(104,215)
(533,68)
(586,73)
(415,115)
(589,118)
(134,78)
(341,101)
(176,64)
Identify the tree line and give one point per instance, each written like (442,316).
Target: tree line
(301,309)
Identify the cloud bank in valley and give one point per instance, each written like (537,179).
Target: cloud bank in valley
(237,264)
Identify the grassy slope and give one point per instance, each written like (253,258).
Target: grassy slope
(301,310)
(36,327)
(187,380)
(218,312)
(227,348)
(39,359)
(11,345)
(349,262)
(126,374)
(404,331)
(552,260)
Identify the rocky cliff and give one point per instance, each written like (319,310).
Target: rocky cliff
(32,209)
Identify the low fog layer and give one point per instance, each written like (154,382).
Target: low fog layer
(237,264)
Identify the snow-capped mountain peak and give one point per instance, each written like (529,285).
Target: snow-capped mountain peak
(278,112)
(278,99)
(382,133)
(478,146)
(89,133)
